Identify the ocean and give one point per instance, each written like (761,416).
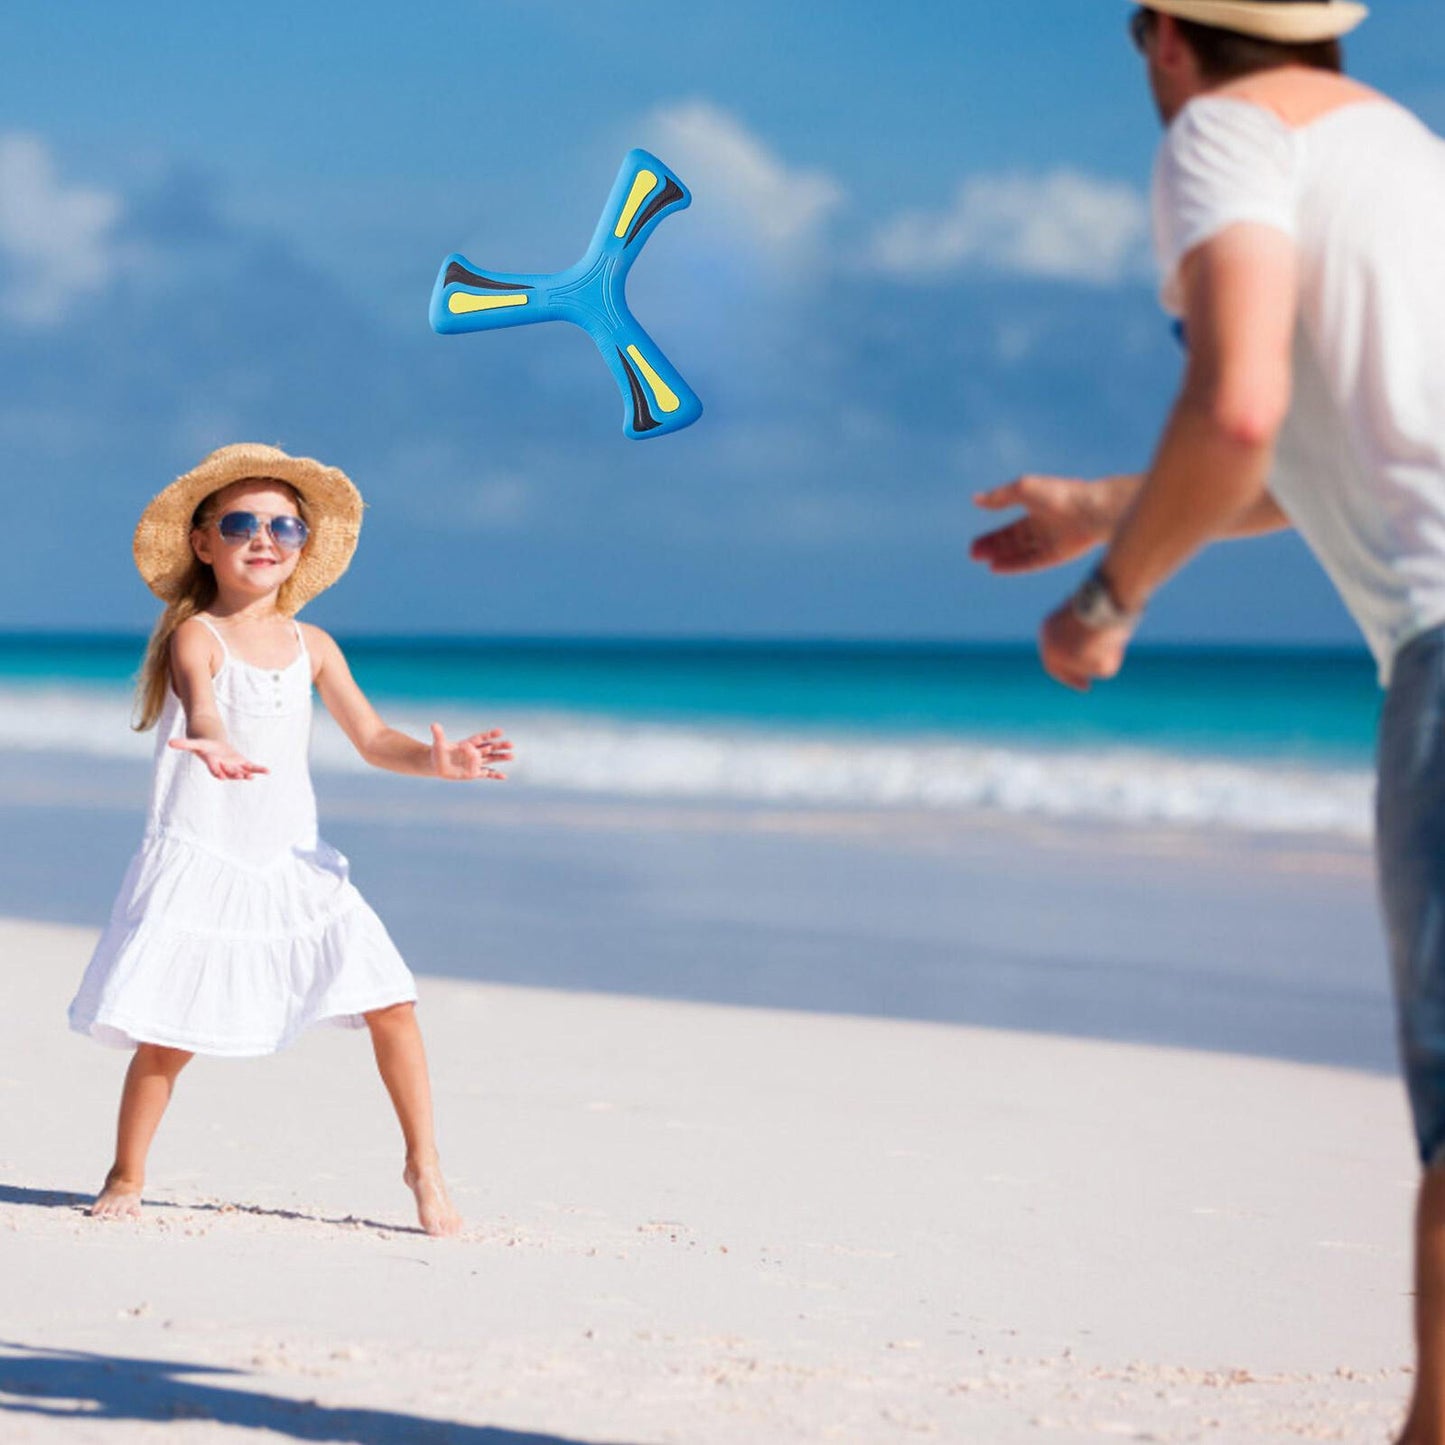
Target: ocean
(1260,740)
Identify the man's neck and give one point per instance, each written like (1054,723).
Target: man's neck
(1296,94)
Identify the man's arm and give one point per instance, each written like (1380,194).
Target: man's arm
(1212,467)
(1209,476)
(1265,516)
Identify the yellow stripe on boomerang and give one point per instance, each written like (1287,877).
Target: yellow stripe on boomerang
(459,302)
(641,188)
(666,397)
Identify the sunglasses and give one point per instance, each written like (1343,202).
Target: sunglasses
(287,532)
(1141,26)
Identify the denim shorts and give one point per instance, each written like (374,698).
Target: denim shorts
(1410,856)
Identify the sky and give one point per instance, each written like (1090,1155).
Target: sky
(916,264)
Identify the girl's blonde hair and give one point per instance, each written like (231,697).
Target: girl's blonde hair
(197,592)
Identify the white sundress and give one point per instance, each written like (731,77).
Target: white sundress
(236,926)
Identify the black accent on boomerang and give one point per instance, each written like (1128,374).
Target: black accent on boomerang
(670,192)
(642,417)
(458,275)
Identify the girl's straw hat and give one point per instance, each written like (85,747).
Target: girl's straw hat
(333,513)
(1294,22)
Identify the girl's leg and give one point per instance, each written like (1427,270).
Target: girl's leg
(401,1060)
(148,1084)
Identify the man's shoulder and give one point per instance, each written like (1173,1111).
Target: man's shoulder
(1225,136)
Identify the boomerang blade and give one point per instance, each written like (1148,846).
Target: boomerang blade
(658,400)
(465,298)
(644,192)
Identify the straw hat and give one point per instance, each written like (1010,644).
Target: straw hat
(1294,22)
(333,508)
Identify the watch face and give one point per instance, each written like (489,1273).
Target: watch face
(1090,601)
(1094,607)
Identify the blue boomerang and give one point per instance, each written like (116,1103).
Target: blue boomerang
(591,295)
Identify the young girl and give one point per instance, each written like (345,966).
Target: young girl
(236,927)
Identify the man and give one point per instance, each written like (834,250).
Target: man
(1300,224)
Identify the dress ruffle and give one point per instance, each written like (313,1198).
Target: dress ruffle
(210,955)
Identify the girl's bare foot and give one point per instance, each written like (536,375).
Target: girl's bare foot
(119,1198)
(434,1210)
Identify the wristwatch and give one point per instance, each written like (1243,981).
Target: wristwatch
(1094,605)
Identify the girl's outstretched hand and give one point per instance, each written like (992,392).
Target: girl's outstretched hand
(471,758)
(222,759)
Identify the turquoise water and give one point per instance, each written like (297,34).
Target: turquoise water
(1312,707)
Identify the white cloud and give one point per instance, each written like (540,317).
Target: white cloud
(56,238)
(498,502)
(1062,226)
(739,182)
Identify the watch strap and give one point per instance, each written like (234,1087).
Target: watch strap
(1095,606)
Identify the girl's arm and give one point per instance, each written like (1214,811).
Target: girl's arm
(194,658)
(385,747)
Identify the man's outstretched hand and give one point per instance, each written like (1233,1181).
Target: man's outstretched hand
(1063,518)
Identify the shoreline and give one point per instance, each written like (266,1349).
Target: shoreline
(1090,767)
(1236,943)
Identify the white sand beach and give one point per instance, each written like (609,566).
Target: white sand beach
(698,1222)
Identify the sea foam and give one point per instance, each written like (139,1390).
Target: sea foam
(600,754)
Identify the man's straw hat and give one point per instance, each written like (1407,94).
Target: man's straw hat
(333,513)
(1293,22)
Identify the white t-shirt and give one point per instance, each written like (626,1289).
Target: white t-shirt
(1360,467)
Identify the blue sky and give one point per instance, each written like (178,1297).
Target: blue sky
(916,264)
